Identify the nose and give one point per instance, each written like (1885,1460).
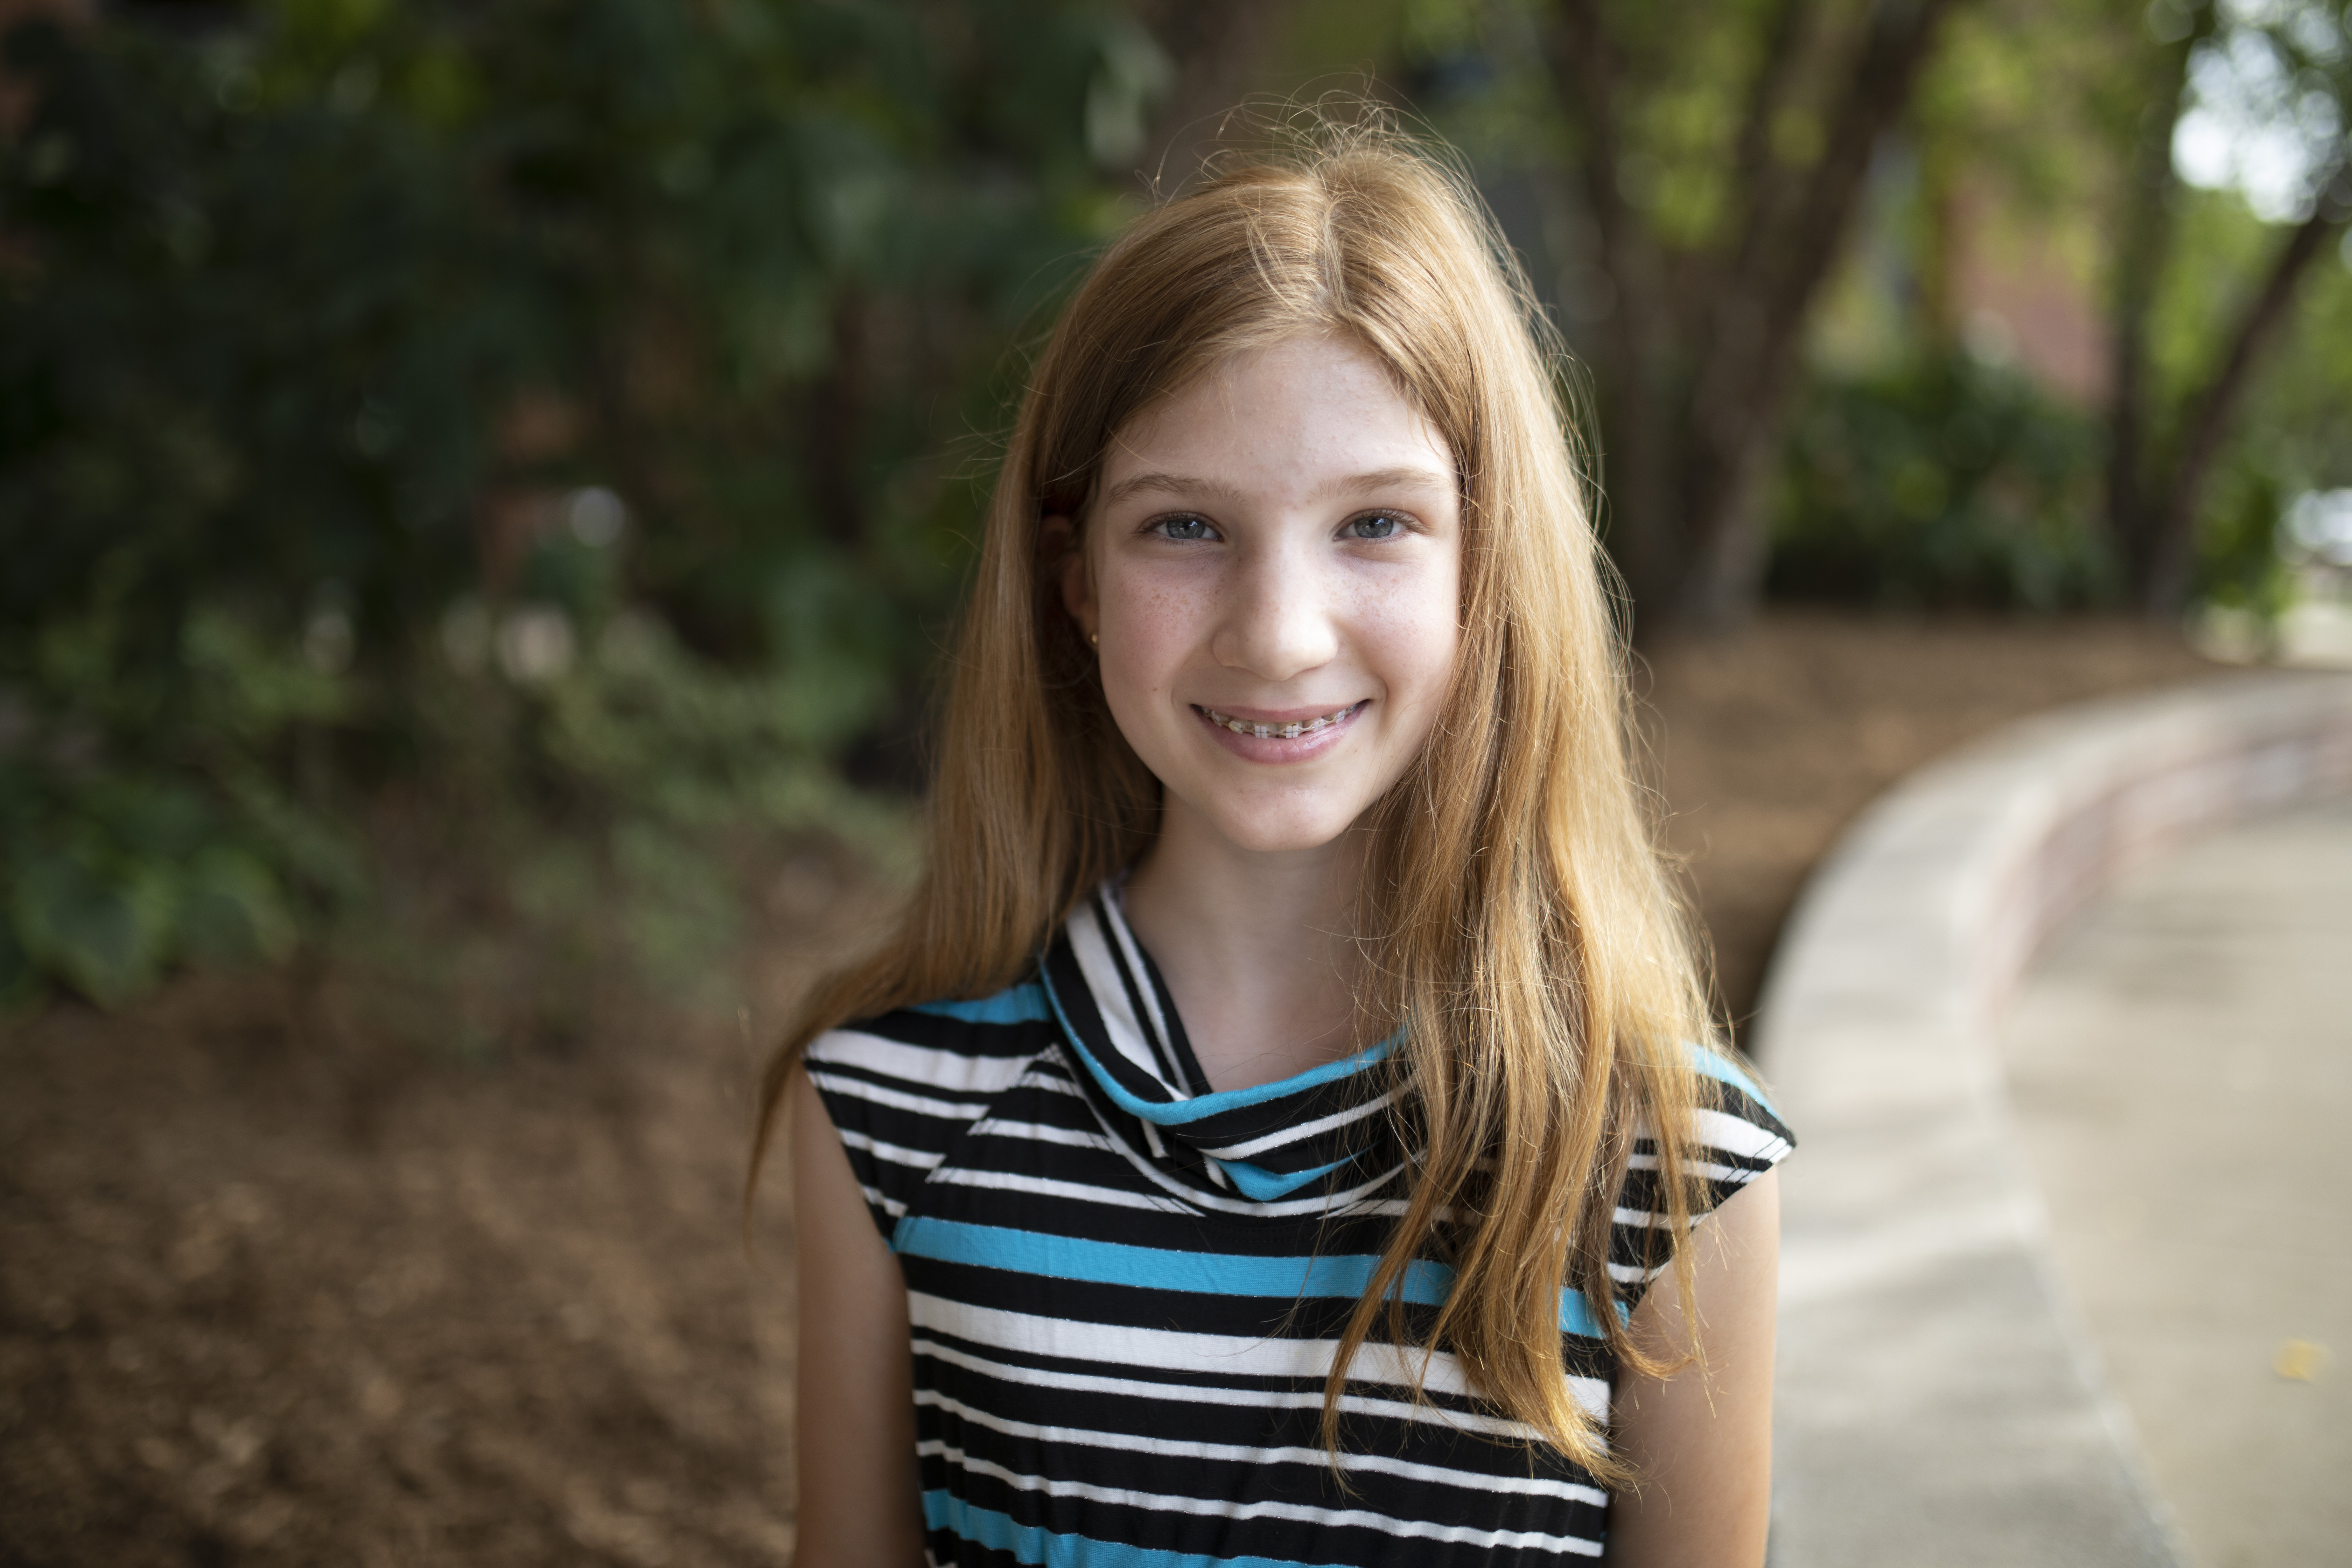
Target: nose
(1277,619)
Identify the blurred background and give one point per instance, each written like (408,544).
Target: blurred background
(484,486)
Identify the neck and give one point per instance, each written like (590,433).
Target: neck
(1258,948)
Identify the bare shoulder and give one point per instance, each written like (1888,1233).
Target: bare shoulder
(1701,1440)
(853,1426)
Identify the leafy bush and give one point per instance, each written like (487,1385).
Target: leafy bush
(144,809)
(608,349)
(1947,482)
(2239,564)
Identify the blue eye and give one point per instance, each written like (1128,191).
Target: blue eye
(1379,525)
(1183,528)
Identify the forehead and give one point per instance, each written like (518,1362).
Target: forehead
(1293,415)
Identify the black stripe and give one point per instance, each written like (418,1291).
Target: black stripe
(1188,1069)
(1113,929)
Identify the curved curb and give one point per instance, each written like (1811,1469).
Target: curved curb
(1936,1407)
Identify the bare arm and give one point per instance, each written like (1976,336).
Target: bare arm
(1701,1441)
(853,1417)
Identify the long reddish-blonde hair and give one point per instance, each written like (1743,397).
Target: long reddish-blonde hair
(1524,933)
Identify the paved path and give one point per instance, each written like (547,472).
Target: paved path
(2181,1064)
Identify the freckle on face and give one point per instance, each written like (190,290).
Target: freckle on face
(1279,545)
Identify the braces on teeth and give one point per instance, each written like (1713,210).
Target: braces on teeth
(1290,731)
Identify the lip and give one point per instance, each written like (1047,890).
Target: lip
(1277,748)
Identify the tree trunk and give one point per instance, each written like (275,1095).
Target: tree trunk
(1752,354)
(2162,582)
(835,419)
(1699,366)
(2143,240)
(1636,375)
(1218,47)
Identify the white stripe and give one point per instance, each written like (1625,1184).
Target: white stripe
(1135,966)
(1101,973)
(883,1201)
(1039,1131)
(1646,1220)
(1058,1081)
(1489,1426)
(1388,1209)
(857,1088)
(1207,1356)
(1195,1198)
(1211,1356)
(1712,1171)
(1361,1518)
(1289,1208)
(1305,1129)
(1170,1349)
(1742,1140)
(1233,1453)
(948,1072)
(895,1154)
(1006,1181)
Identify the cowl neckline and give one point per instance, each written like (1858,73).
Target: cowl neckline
(1321,1133)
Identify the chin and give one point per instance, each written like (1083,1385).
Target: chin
(1285,834)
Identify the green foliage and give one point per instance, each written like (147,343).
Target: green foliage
(144,818)
(1689,87)
(601,798)
(318,328)
(2298,420)
(2295,434)
(2238,561)
(1683,75)
(1942,482)
(2295,431)
(2038,99)
(2026,134)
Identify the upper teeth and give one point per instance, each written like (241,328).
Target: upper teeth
(1290,731)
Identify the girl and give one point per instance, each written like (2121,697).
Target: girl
(1261,1138)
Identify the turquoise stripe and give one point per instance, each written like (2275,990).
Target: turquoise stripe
(1201,1273)
(1263,1185)
(1154,1268)
(1022,1004)
(1033,1543)
(1178,1112)
(1718,1066)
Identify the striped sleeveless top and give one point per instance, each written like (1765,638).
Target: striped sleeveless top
(1125,1289)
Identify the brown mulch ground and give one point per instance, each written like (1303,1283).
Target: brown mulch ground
(1766,746)
(275,1290)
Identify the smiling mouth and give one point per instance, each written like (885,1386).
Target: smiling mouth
(1289,731)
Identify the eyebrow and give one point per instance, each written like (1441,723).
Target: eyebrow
(1181,487)
(1185,487)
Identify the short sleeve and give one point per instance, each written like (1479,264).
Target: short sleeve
(901,1089)
(1736,1137)
(1739,1135)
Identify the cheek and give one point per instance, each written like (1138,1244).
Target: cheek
(1147,630)
(1438,633)
(1419,630)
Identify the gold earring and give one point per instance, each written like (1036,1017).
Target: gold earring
(1094,640)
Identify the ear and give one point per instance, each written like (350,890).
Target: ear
(1058,535)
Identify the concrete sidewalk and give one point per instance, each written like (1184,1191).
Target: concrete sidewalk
(2179,1059)
(1941,1403)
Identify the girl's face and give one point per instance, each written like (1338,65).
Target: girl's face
(1273,567)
